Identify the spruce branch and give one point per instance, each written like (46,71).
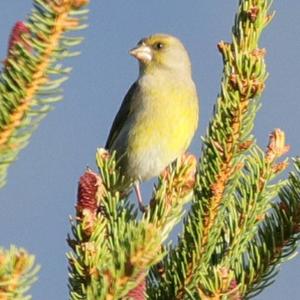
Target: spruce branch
(237,231)
(243,239)
(277,238)
(253,196)
(32,75)
(174,189)
(227,141)
(113,248)
(17,273)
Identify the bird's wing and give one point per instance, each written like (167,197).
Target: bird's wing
(121,116)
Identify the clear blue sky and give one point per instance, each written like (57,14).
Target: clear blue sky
(41,189)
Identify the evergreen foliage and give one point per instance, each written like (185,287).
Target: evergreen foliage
(32,73)
(112,248)
(30,83)
(242,221)
(236,232)
(17,273)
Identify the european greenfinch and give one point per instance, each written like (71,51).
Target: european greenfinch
(159,115)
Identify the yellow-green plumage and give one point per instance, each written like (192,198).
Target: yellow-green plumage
(159,115)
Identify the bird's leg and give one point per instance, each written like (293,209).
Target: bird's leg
(139,196)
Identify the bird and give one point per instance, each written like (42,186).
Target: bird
(159,115)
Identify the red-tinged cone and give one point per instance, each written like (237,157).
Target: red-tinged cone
(234,293)
(139,292)
(90,191)
(16,35)
(87,191)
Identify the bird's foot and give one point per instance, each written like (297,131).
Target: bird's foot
(139,197)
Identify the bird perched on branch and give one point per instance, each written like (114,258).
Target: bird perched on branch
(159,115)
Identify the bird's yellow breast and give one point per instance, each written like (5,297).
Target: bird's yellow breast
(164,124)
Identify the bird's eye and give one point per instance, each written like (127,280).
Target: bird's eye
(141,42)
(159,45)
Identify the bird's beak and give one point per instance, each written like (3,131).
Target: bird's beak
(142,53)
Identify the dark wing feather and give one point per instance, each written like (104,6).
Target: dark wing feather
(121,116)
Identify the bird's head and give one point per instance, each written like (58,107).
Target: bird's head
(161,52)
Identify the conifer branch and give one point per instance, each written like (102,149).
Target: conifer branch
(17,274)
(32,75)
(229,131)
(242,238)
(174,189)
(277,238)
(235,234)
(228,140)
(253,197)
(112,249)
